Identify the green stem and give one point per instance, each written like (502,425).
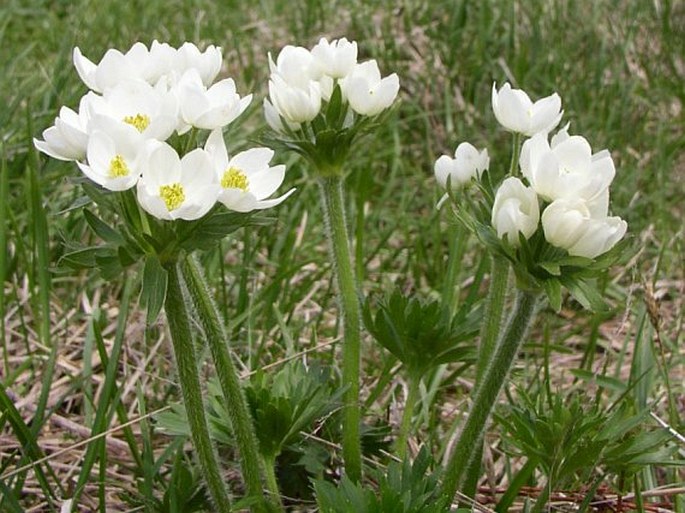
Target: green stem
(515,151)
(492,317)
(457,247)
(186,362)
(407,414)
(269,463)
(542,499)
(334,209)
(234,397)
(490,329)
(490,387)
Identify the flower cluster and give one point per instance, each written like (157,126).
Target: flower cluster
(303,80)
(562,177)
(137,101)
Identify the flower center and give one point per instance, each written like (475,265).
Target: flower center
(139,121)
(234,178)
(118,167)
(173,195)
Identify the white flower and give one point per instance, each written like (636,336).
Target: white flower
(516,112)
(336,59)
(246,179)
(68,138)
(150,65)
(153,111)
(173,188)
(207,63)
(210,108)
(296,66)
(113,67)
(567,169)
(468,163)
(569,224)
(114,154)
(294,104)
(515,210)
(366,92)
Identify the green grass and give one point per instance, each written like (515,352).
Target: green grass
(70,352)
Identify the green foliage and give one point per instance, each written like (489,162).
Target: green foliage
(138,235)
(289,401)
(417,334)
(537,264)
(327,140)
(573,442)
(404,488)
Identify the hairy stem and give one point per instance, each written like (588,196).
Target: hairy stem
(272,482)
(409,404)
(515,152)
(488,391)
(336,227)
(186,362)
(457,248)
(489,333)
(235,401)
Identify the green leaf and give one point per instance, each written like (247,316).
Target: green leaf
(604,381)
(586,294)
(334,107)
(551,267)
(153,289)
(102,229)
(85,258)
(553,291)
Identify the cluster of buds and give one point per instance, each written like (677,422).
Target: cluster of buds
(561,177)
(320,99)
(137,102)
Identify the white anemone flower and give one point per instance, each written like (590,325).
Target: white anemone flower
(569,224)
(67,139)
(516,210)
(468,163)
(298,68)
(207,63)
(153,111)
(515,111)
(294,104)
(366,92)
(567,168)
(246,179)
(173,188)
(115,152)
(212,107)
(336,59)
(113,67)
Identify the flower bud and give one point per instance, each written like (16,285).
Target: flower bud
(515,111)
(569,224)
(515,210)
(468,163)
(566,168)
(366,92)
(336,59)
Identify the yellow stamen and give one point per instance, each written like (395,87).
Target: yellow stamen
(234,178)
(118,167)
(173,195)
(139,121)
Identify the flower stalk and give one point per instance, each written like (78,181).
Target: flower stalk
(235,401)
(186,362)
(457,248)
(489,334)
(336,227)
(487,392)
(269,463)
(407,414)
